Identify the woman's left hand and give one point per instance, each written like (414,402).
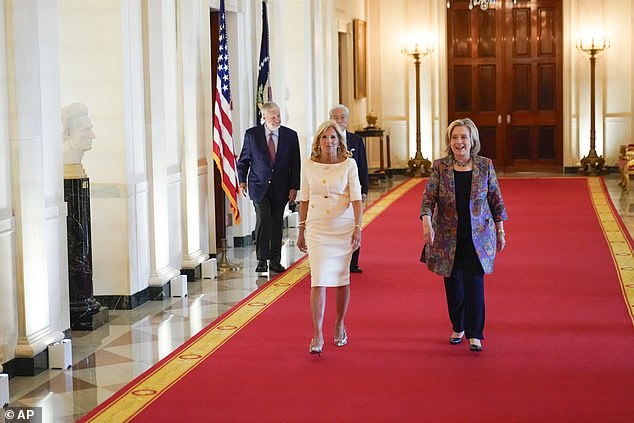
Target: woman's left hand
(356,239)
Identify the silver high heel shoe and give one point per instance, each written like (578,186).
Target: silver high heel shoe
(340,342)
(315,349)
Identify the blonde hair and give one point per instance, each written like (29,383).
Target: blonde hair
(473,132)
(342,149)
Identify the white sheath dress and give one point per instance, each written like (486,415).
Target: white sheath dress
(329,190)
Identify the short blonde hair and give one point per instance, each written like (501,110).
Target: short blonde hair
(473,132)
(342,149)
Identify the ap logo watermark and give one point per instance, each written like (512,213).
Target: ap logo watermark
(23,414)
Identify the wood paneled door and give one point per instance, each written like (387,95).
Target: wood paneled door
(505,72)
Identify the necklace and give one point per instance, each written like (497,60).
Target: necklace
(462,164)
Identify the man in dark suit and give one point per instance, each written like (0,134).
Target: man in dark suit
(355,144)
(270,162)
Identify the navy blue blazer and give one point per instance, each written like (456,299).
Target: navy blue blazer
(357,148)
(255,168)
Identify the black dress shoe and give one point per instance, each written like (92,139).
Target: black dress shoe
(454,341)
(356,270)
(262,266)
(277,268)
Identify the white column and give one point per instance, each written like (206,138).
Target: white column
(206,167)
(37,191)
(138,200)
(190,69)
(160,73)
(8,294)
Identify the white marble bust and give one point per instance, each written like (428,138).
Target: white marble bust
(78,134)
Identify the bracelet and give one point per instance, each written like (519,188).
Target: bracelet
(357,226)
(501,231)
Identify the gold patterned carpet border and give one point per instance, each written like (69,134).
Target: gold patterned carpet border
(148,388)
(617,240)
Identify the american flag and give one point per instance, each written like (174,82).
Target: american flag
(263,94)
(223,150)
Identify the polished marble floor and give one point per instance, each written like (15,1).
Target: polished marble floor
(106,359)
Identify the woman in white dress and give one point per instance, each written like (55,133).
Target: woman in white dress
(330,214)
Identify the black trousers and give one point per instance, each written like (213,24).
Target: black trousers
(269,220)
(465,291)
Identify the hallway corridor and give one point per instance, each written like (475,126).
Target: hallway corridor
(108,358)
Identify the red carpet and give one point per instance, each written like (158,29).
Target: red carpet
(559,342)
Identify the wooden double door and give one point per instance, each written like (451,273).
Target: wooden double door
(505,73)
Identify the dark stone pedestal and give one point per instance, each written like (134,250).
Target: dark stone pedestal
(85,312)
(88,321)
(27,366)
(192,274)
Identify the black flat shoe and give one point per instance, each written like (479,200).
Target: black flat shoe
(277,268)
(455,341)
(262,267)
(475,347)
(356,270)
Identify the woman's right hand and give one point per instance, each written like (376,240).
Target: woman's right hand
(301,242)
(428,232)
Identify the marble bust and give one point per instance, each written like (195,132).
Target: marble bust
(77,134)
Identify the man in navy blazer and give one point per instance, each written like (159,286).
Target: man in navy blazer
(339,114)
(270,162)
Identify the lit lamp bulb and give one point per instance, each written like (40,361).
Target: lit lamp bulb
(415,47)
(593,43)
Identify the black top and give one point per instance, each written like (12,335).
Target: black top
(463,193)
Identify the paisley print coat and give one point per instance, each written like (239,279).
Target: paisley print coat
(486,206)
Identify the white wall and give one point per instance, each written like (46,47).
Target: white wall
(148,103)
(304,54)
(613,80)
(91,72)
(618,78)
(392,74)
(344,13)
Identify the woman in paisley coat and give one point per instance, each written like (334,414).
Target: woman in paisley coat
(463,216)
